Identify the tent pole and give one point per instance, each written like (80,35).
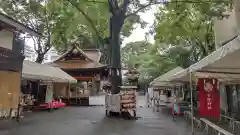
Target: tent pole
(192,111)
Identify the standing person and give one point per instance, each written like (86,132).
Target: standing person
(175,109)
(147,99)
(20,107)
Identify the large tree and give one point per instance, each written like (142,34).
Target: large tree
(122,10)
(59,24)
(122,16)
(34,14)
(131,52)
(184,35)
(148,60)
(184,30)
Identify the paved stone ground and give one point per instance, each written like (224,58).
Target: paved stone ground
(92,121)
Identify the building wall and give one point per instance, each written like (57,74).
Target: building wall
(61,89)
(237,12)
(6,39)
(50,56)
(9,89)
(225,29)
(31,55)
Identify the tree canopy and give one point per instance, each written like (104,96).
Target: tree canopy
(184,34)
(183,29)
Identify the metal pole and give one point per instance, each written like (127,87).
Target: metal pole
(192,111)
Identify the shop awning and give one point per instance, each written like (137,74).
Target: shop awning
(165,79)
(222,64)
(181,76)
(35,71)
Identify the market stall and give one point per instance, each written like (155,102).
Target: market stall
(78,94)
(164,91)
(11,59)
(124,102)
(220,66)
(38,85)
(128,100)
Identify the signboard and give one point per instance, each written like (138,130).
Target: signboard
(209,97)
(10,60)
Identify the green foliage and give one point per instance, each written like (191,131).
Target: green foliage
(73,22)
(147,59)
(183,33)
(188,29)
(34,14)
(131,53)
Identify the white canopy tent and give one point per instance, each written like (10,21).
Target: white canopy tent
(181,76)
(221,64)
(165,79)
(35,71)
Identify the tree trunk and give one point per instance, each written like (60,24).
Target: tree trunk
(115,59)
(116,24)
(40,58)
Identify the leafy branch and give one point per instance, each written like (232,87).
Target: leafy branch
(153,2)
(87,18)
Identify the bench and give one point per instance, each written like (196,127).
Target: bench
(219,130)
(232,121)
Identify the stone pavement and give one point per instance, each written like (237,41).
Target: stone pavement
(92,121)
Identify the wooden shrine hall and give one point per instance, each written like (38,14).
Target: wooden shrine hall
(84,66)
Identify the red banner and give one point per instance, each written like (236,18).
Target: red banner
(209,97)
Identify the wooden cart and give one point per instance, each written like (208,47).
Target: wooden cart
(123,102)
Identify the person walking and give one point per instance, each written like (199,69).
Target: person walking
(175,109)
(147,99)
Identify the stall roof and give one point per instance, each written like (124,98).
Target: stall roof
(221,64)
(181,76)
(222,60)
(35,71)
(164,80)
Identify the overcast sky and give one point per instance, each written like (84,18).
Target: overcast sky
(139,34)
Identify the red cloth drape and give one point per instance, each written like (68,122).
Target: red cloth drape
(209,97)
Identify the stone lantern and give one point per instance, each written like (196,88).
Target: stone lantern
(132,76)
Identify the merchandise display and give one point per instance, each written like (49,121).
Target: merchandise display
(128,100)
